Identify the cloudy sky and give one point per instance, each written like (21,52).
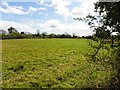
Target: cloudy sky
(53,16)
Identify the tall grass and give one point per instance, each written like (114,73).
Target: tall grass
(51,63)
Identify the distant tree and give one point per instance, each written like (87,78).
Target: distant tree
(14,35)
(67,35)
(3,36)
(22,33)
(44,34)
(38,32)
(52,35)
(74,35)
(11,29)
(63,36)
(58,36)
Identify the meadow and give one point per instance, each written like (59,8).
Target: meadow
(51,63)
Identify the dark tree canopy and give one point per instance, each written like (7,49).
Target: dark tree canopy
(11,30)
(108,15)
(112,16)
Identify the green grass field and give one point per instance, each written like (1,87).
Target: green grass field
(51,63)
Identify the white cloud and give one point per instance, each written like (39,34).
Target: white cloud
(47,5)
(19,7)
(3,10)
(32,9)
(86,7)
(61,7)
(42,8)
(12,9)
(57,27)
(19,26)
(19,10)
(78,12)
(50,23)
(4,3)
(41,2)
(50,26)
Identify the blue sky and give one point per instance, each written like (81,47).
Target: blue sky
(55,16)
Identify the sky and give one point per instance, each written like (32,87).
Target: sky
(51,16)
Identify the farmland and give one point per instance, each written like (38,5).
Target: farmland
(51,63)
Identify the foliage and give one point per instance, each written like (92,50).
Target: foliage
(11,30)
(111,18)
(108,21)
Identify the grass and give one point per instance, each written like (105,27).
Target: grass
(51,63)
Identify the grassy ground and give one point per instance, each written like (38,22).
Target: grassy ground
(51,63)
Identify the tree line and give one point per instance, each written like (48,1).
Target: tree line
(14,34)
